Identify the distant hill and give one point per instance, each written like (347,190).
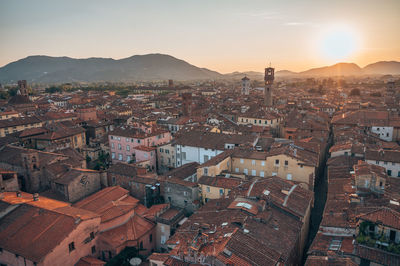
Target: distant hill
(340,69)
(155,67)
(383,67)
(150,67)
(252,75)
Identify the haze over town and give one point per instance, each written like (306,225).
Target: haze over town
(199,133)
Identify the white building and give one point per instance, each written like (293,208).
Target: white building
(385,132)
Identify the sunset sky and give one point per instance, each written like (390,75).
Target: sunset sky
(220,35)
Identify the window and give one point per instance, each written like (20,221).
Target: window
(119,146)
(93,249)
(183,155)
(128,148)
(221,192)
(389,172)
(245,171)
(262,163)
(120,156)
(151,238)
(205,171)
(398,174)
(208,189)
(162,229)
(138,141)
(167,151)
(380,183)
(262,173)
(71,246)
(141,245)
(377,162)
(206,158)
(253,172)
(276,162)
(91,235)
(112,137)
(128,158)
(127,139)
(237,170)
(286,163)
(274,174)
(253,162)
(112,145)
(163,239)
(161,149)
(241,161)
(185,193)
(289,176)
(113,155)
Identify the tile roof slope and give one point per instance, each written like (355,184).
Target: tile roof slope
(183,171)
(385,216)
(132,230)
(33,232)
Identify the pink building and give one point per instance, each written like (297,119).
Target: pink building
(123,140)
(146,157)
(121,224)
(35,230)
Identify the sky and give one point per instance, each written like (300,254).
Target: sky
(222,35)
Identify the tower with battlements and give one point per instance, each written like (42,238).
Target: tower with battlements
(269,80)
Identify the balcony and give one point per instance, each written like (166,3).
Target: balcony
(369,238)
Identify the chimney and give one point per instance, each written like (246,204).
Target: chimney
(18,194)
(35,197)
(141,171)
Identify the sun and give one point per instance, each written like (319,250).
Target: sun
(338,43)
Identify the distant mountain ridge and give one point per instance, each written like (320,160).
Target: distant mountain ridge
(150,67)
(154,67)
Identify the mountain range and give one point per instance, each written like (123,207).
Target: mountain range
(153,67)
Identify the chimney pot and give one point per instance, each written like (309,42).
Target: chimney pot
(35,197)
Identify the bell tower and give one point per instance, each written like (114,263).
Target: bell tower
(269,80)
(245,86)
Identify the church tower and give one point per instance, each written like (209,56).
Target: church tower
(269,80)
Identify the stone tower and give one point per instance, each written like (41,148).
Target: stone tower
(245,86)
(269,80)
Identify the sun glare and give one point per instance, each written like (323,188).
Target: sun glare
(338,43)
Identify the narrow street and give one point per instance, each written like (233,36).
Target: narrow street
(320,194)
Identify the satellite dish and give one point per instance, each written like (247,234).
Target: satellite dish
(135,261)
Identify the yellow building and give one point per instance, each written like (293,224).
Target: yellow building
(262,118)
(216,187)
(17,124)
(287,162)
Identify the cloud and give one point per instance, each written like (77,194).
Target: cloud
(296,24)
